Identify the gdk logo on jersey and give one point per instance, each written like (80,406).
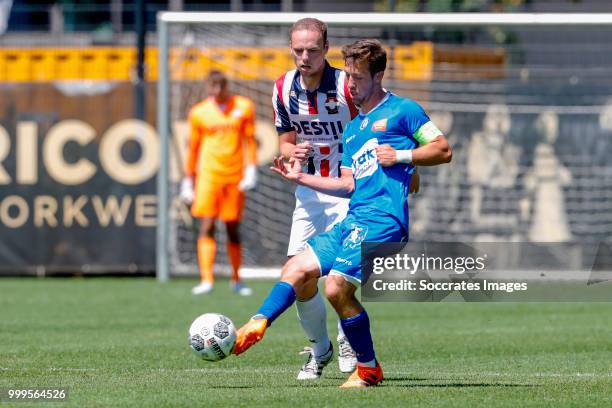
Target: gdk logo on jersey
(365,162)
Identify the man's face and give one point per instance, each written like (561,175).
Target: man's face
(308,50)
(360,83)
(217,89)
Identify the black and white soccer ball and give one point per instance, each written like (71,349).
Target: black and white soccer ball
(212,336)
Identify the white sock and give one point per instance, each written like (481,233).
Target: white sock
(340,330)
(313,317)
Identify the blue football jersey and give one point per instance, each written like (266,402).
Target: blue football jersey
(395,121)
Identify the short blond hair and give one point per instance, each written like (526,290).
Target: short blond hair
(310,24)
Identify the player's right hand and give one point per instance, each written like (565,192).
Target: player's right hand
(186,192)
(301,151)
(386,155)
(288,170)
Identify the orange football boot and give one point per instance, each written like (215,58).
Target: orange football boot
(249,334)
(364,377)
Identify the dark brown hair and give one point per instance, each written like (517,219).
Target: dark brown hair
(369,51)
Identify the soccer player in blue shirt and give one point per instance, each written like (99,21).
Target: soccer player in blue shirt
(389,136)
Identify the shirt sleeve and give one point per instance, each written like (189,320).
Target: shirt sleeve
(419,125)
(281,117)
(193,146)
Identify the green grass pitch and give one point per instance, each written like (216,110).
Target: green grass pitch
(123,342)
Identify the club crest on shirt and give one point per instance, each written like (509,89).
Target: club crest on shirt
(364,123)
(356,237)
(380,125)
(331,103)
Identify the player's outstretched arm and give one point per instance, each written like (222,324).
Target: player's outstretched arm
(338,187)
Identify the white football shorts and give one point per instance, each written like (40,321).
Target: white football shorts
(311,218)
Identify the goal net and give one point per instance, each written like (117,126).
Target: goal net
(525,101)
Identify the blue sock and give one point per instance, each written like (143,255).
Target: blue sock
(280,298)
(357,331)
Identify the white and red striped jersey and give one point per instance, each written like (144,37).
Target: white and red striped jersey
(317,117)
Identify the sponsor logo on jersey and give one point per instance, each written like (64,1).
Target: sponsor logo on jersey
(364,123)
(365,162)
(317,128)
(351,137)
(356,237)
(380,125)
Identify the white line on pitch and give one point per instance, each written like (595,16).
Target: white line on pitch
(437,376)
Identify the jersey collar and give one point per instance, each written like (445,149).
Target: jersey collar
(226,107)
(328,81)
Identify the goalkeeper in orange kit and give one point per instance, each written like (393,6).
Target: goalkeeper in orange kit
(220,166)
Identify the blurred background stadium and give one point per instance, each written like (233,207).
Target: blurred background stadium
(528,111)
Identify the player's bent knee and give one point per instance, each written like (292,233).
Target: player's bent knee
(293,276)
(298,271)
(307,291)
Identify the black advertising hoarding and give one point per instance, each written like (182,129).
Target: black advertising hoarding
(77,182)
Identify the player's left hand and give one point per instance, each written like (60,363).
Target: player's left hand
(386,155)
(186,191)
(288,170)
(249,179)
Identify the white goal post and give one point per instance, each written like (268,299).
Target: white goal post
(167,20)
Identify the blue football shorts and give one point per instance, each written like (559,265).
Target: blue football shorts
(339,249)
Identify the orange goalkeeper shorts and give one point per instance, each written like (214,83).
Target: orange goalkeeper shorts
(217,200)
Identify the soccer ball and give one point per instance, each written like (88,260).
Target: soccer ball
(212,336)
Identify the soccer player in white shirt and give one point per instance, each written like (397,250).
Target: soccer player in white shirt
(311,106)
